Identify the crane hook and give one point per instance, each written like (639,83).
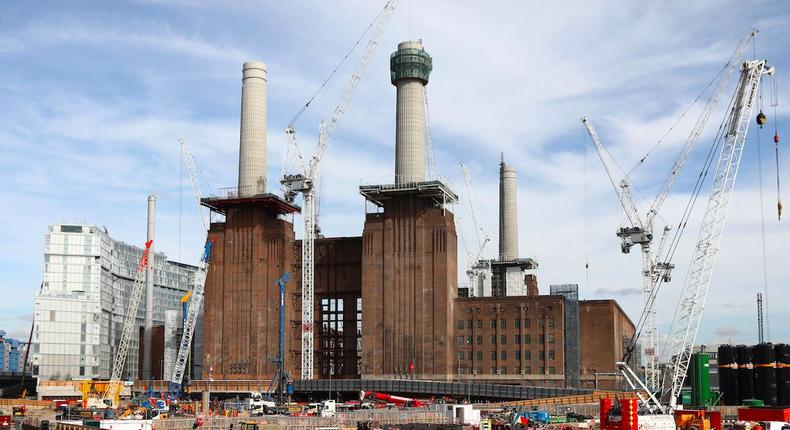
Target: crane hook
(761,120)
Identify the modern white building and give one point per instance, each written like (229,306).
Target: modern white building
(79,313)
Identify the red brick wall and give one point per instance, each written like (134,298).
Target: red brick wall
(251,250)
(408,285)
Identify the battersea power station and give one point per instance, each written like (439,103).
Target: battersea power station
(387,303)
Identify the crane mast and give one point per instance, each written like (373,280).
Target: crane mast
(706,250)
(477,268)
(641,231)
(306,183)
(129,325)
(196,297)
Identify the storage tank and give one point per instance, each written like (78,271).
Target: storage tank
(728,377)
(782,352)
(743,356)
(764,361)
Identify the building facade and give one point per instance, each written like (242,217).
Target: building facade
(80,310)
(12,354)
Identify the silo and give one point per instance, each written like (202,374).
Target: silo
(764,362)
(728,377)
(743,356)
(782,351)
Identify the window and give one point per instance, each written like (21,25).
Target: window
(479,370)
(493,370)
(469,324)
(526,339)
(493,355)
(503,339)
(502,323)
(518,355)
(541,339)
(460,355)
(550,338)
(542,370)
(517,323)
(469,355)
(527,355)
(493,340)
(462,370)
(479,355)
(528,370)
(469,340)
(459,340)
(542,354)
(503,370)
(493,323)
(479,323)
(551,354)
(459,324)
(552,370)
(503,355)
(517,339)
(526,323)
(479,340)
(551,322)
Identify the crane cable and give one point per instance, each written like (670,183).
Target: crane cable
(337,67)
(680,118)
(774,103)
(762,201)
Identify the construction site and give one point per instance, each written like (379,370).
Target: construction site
(275,329)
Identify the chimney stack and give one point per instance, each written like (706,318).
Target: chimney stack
(508,218)
(252,145)
(410,67)
(149,293)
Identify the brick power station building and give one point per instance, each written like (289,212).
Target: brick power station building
(387,303)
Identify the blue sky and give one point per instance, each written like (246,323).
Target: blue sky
(96,95)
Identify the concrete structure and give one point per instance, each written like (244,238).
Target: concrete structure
(410,67)
(79,313)
(12,354)
(508,213)
(252,141)
(149,292)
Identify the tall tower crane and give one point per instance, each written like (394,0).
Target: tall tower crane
(129,327)
(641,231)
(196,298)
(306,183)
(477,268)
(703,260)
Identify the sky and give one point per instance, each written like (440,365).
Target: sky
(95,96)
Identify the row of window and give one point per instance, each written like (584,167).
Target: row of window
(517,323)
(517,339)
(467,355)
(504,370)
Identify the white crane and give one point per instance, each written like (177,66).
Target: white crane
(641,231)
(697,283)
(307,184)
(477,269)
(129,328)
(196,298)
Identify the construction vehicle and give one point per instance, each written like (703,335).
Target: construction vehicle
(307,183)
(257,404)
(524,419)
(110,395)
(640,231)
(398,401)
